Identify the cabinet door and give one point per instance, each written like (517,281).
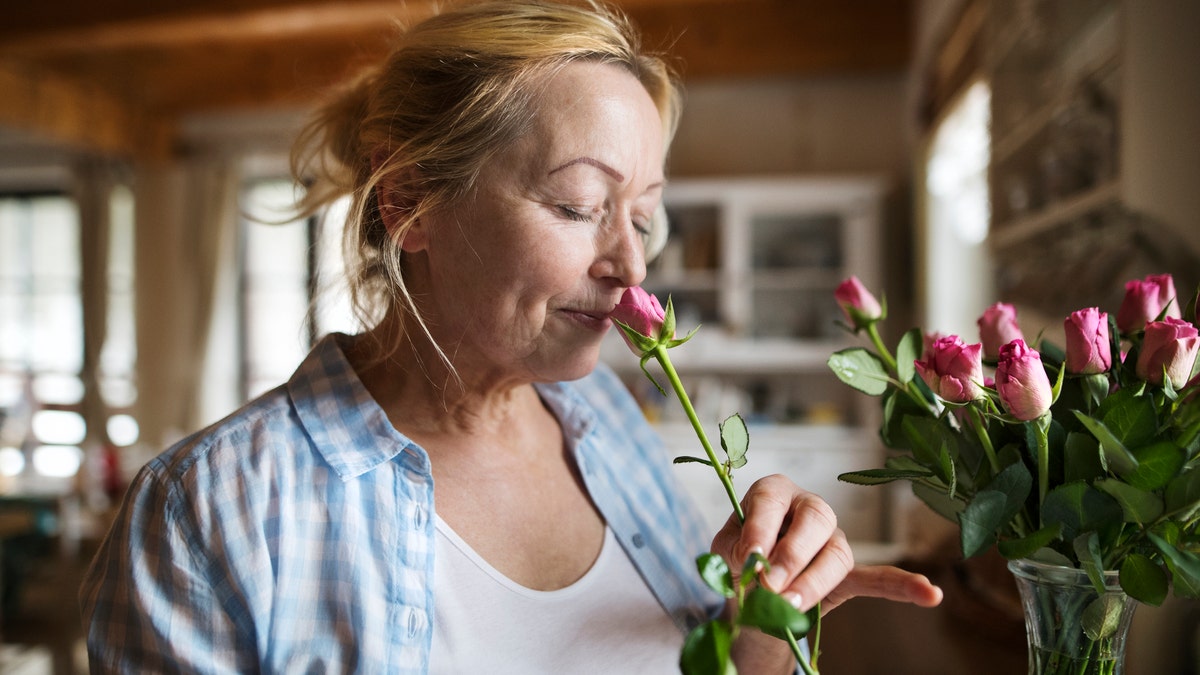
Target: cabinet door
(796,262)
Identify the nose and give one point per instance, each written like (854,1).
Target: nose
(620,254)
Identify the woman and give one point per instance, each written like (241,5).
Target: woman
(460,488)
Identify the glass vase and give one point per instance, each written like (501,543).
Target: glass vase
(1070,626)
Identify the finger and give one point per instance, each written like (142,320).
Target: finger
(826,573)
(886,582)
(767,506)
(726,538)
(811,528)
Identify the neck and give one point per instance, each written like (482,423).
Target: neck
(425,393)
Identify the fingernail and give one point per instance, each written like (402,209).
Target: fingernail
(775,578)
(793,599)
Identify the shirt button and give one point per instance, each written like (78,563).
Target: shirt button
(638,540)
(419,516)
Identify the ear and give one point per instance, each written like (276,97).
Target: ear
(395,209)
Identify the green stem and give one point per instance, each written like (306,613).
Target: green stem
(1042,425)
(890,361)
(660,353)
(883,352)
(809,669)
(1021,525)
(984,439)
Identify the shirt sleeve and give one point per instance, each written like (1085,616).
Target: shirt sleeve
(152,601)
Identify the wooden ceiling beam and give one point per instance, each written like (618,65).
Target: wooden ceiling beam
(182,30)
(78,114)
(32,20)
(781,37)
(729,38)
(114,75)
(115,24)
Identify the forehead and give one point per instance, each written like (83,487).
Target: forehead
(596,108)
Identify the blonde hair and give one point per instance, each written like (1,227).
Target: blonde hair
(455,90)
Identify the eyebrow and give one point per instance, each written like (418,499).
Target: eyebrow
(590,162)
(599,165)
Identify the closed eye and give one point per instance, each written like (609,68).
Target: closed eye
(574,214)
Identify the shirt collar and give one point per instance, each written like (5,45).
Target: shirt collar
(347,426)
(353,434)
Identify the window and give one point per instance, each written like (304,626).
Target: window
(957,286)
(287,268)
(118,355)
(41,336)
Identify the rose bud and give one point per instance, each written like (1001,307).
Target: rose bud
(953,370)
(1145,300)
(1170,346)
(1088,348)
(860,307)
(998,327)
(928,340)
(1022,383)
(640,318)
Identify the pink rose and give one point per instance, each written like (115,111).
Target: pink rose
(998,327)
(1088,348)
(928,341)
(1021,381)
(1170,345)
(953,370)
(1145,300)
(640,312)
(860,307)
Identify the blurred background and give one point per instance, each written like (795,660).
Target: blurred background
(950,153)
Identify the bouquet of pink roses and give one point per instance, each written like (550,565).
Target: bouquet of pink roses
(1087,456)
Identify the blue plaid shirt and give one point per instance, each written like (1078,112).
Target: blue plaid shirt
(297,535)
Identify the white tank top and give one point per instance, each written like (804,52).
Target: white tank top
(606,622)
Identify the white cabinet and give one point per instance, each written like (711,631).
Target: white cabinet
(754,262)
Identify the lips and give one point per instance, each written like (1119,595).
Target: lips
(595,319)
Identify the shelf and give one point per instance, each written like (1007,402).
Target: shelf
(797,280)
(713,353)
(1085,50)
(1055,215)
(683,280)
(1041,119)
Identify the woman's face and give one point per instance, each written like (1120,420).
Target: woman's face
(517,280)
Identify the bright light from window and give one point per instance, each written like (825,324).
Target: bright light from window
(12,461)
(62,389)
(11,390)
(122,430)
(954,255)
(334,313)
(957,172)
(118,391)
(61,427)
(57,461)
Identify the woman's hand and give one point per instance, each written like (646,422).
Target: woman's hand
(810,559)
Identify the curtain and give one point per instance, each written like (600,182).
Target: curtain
(186,259)
(92,188)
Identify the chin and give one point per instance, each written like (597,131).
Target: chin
(575,366)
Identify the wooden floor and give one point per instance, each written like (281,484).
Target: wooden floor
(41,634)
